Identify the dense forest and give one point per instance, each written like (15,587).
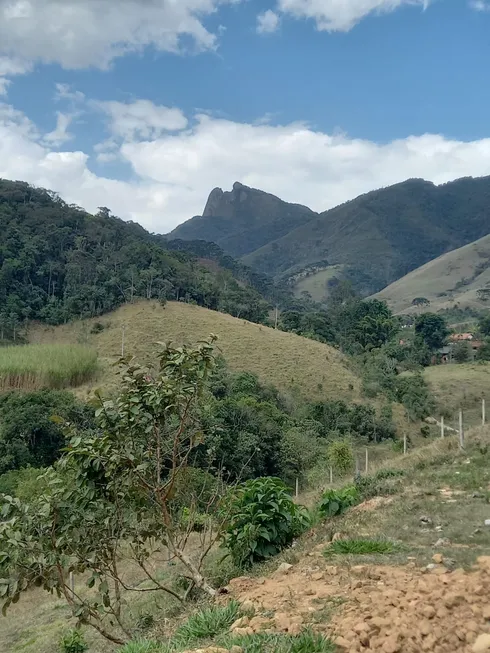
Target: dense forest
(58,262)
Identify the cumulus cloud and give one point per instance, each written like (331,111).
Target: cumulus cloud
(60,134)
(10,66)
(174,172)
(267,22)
(142,119)
(83,33)
(341,15)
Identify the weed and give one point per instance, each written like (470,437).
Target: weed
(359,546)
(208,623)
(336,502)
(73,642)
(384,483)
(306,642)
(142,646)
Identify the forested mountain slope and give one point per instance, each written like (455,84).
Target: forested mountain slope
(376,238)
(58,262)
(385,234)
(243,220)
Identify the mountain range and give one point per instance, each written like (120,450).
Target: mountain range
(372,240)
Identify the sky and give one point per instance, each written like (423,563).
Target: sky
(145,106)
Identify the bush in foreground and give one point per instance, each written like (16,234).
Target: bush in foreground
(336,502)
(262,520)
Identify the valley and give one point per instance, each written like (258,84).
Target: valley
(191,452)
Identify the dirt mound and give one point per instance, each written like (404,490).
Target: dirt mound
(383,609)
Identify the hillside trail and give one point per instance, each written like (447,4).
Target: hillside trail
(364,608)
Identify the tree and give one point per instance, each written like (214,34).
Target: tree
(432,330)
(28,435)
(111,495)
(484,325)
(420,301)
(461,352)
(483,294)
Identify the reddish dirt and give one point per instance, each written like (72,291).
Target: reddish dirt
(384,609)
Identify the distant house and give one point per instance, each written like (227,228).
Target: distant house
(443,355)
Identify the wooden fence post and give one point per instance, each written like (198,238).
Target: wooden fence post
(72,583)
(461,430)
(367,460)
(404,444)
(331,476)
(123,339)
(483,412)
(297,487)
(442,426)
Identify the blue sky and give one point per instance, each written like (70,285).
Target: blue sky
(145,105)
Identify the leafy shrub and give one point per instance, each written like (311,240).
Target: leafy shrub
(359,546)
(336,502)
(383,483)
(340,455)
(191,520)
(262,520)
(73,642)
(25,484)
(196,490)
(97,327)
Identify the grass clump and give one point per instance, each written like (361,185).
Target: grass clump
(360,546)
(305,642)
(32,367)
(142,646)
(207,624)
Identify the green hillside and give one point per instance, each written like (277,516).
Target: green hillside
(58,262)
(453,278)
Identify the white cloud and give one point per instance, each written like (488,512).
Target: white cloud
(267,22)
(142,119)
(173,174)
(65,92)
(10,66)
(480,5)
(60,134)
(341,15)
(83,33)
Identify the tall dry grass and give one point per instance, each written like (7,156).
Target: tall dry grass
(32,367)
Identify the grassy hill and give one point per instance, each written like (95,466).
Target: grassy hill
(453,278)
(283,359)
(460,385)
